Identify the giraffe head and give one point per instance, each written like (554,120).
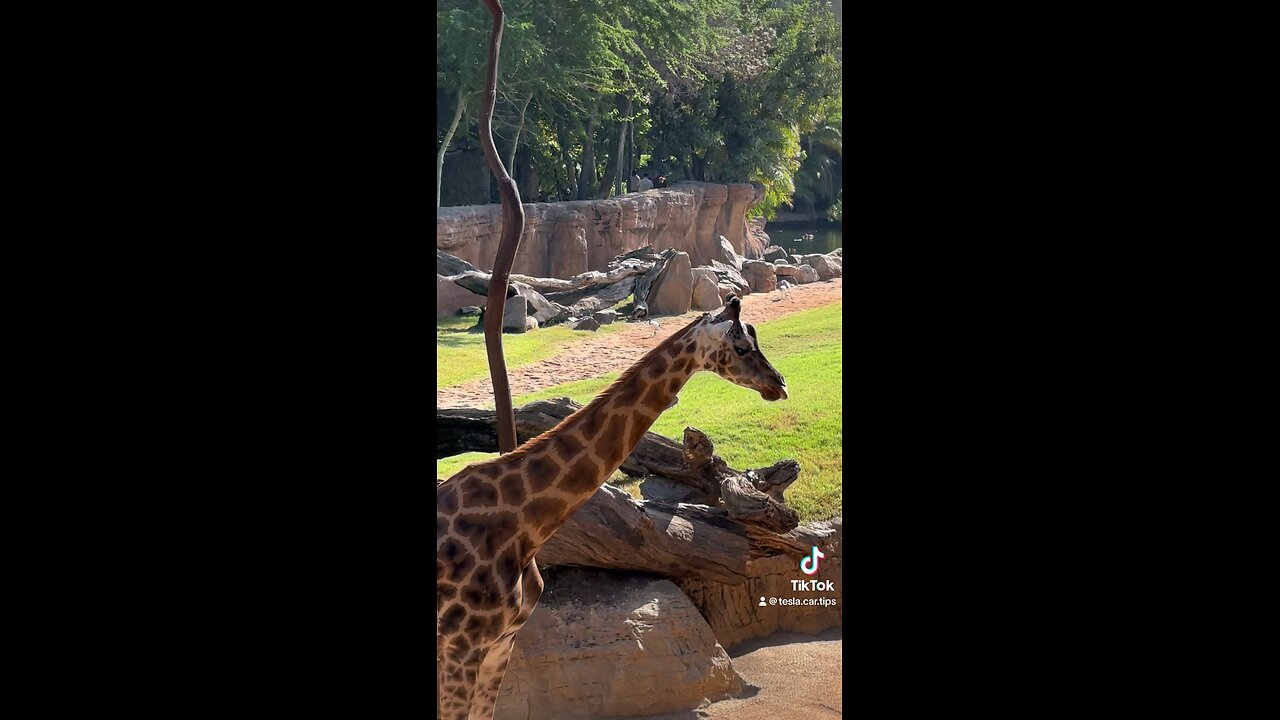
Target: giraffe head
(733,353)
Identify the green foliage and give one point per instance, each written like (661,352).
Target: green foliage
(749,432)
(721,90)
(836,212)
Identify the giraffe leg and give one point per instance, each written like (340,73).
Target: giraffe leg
(492,670)
(494,666)
(457,677)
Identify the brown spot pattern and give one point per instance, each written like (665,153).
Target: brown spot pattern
(447,498)
(512,486)
(610,445)
(543,512)
(482,593)
(637,431)
(583,476)
(451,620)
(500,528)
(629,393)
(568,445)
(591,424)
(478,493)
(542,471)
(507,568)
(656,398)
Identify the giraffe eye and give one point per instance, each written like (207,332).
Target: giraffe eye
(741,351)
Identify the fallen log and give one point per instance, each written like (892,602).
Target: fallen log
(585,302)
(634,263)
(552,300)
(739,516)
(640,310)
(615,531)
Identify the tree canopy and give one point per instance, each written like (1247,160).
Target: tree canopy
(715,90)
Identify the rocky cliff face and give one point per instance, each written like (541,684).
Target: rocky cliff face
(563,239)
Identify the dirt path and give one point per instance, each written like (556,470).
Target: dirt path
(796,677)
(597,355)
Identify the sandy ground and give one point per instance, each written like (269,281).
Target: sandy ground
(790,677)
(600,354)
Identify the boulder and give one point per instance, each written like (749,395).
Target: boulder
(706,272)
(760,275)
(450,296)
(514,313)
(795,259)
(530,323)
(706,294)
(838,252)
(823,264)
(605,317)
(469,310)
(799,274)
(672,290)
(727,273)
(784,283)
(586,323)
(726,255)
(773,253)
(757,238)
(607,644)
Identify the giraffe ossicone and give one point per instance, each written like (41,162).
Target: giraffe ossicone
(492,516)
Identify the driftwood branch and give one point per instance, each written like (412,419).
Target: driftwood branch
(700,517)
(552,300)
(512,228)
(645,283)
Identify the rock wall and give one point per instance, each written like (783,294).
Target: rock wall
(612,644)
(734,612)
(563,239)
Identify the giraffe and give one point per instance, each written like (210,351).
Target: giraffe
(493,516)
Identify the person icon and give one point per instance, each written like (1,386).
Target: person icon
(761,601)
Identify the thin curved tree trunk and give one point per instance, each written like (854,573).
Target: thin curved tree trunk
(622,144)
(587,177)
(512,229)
(448,138)
(572,184)
(515,142)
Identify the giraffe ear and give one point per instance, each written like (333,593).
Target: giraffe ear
(732,309)
(719,328)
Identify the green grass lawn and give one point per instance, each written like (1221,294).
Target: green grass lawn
(747,431)
(460,353)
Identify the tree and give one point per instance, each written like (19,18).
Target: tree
(460,44)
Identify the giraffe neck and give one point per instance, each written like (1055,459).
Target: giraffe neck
(572,461)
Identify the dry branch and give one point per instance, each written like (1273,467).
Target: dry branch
(738,516)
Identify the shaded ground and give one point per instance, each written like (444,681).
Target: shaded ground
(597,355)
(797,677)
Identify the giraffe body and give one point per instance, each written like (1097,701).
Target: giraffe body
(492,517)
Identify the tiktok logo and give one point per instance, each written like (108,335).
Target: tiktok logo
(809,565)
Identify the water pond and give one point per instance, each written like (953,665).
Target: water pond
(790,237)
